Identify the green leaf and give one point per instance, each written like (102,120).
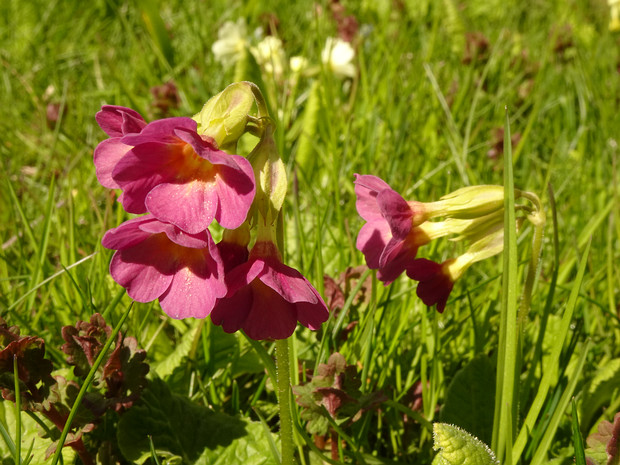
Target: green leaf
(580,458)
(600,391)
(470,400)
(457,447)
(195,433)
(167,365)
(31,436)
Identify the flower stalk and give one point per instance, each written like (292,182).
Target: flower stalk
(283,373)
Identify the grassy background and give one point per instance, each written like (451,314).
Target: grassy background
(420,115)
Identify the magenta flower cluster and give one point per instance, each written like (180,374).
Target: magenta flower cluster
(395,229)
(390,239)
(183,183)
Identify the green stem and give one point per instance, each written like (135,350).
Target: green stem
(18,417)
(283,373)
(526,297)
(260,100)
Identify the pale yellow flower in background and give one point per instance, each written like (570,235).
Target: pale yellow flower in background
(269,53)
(614,21)
(232,40)
(298,64)
(338,56)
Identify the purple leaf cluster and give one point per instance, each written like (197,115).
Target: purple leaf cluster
(335,392)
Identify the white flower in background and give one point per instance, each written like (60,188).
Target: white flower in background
(614,20)
(298,64)
(232,40)
(269,54)
(338,56)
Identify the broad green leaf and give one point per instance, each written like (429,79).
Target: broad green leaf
(458,447)
(167,365)
(32,434)
(470,400)
(183,429)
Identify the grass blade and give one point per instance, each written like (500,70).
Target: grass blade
(503,422)
(553,360)
(580,455)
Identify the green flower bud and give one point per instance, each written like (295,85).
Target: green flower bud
(270,174)
(224,116)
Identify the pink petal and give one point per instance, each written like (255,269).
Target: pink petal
(190,206)
(288,282)
(396,257)
(178,236)
(192,292)
(271,317)
(107,155)
(231,312)
(312,315)
(234,184)
(127,234)
(396,212)
(366,189)
(139,171)
(243,275)
(162,131)
(205,149)
(116,121)
(232,254)
(235,191)
(371,241)
(145,273)
(435,285)
(422,269)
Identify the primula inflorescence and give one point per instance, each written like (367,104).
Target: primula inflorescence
(183,174)
(395,229)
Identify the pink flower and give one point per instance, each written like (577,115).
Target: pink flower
(158,260)
(391,237)
(181,178)
(116,122)
(266,298)
(435,281)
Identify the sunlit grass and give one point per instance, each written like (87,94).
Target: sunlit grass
(425,112)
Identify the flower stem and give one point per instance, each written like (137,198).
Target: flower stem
(526,297)
(263,111)
(283,373)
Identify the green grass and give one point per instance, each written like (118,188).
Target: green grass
(417,116)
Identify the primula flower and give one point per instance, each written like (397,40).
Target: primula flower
(181,178)
(157,260)
(391,237)
(266,298)
(269,53)
(232,40)
(338,56)
(395,228)
(116,122)
(298,64)
(436,280)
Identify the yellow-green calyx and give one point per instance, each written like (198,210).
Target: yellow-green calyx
(224,116)
(269,172)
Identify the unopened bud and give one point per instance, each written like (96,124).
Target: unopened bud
(224,116)
(270,174)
